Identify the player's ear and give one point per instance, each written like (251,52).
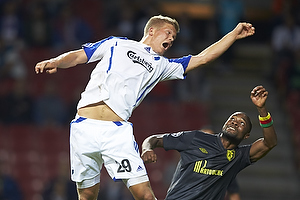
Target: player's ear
(246,135)
(151,31)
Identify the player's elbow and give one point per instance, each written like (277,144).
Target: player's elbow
(197,61)
(208,57)
(271,143)
(274,144)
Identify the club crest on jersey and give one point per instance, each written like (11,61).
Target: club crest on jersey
(230,154)
(139,60)
(177,134)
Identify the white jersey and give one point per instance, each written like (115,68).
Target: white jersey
(127,71)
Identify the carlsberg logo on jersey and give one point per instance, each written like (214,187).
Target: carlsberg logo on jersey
(137,59)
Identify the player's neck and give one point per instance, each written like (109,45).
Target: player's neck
(227,142)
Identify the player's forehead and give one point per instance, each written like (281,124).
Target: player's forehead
(239,115)
(165,25)
(168,27)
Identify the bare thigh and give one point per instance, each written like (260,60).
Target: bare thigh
(90,193)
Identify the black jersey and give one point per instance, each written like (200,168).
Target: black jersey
(205,168)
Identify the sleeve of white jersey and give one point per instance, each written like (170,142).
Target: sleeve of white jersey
(175,68)
(95,51)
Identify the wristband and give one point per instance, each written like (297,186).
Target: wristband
(264,118)
(266,125)
(265,122)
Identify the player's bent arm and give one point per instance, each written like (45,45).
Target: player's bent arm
(263,145)
(148,145)
(212,52)
(66,60)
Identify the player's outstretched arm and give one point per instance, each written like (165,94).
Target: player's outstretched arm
(66,60)
(148,145)
(262,146)
(212,52)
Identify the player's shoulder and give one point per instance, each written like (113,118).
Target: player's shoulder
(205,135)
(124,41)
(189,133)
(114,38)
(106,41)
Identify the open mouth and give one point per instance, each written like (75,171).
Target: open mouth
(165,45)
(231,128)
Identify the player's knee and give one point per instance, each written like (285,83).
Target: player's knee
(149,196)
(146,195)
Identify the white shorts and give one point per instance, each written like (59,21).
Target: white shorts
(95,142)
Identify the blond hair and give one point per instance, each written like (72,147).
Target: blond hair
(158,21)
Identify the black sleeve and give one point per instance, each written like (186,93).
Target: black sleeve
(245,149)
(178,141)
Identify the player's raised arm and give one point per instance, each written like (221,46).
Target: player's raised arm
(212,52)
(66,60)
(262,146)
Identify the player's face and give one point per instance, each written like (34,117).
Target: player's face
(163,38)
(236,126)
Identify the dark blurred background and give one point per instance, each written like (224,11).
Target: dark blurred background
(35,110)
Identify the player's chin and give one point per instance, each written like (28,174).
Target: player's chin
(161,53)
(230,133)
(165,49)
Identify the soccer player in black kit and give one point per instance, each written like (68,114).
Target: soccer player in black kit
(208,163)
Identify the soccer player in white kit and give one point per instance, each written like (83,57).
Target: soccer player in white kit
(125,73)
